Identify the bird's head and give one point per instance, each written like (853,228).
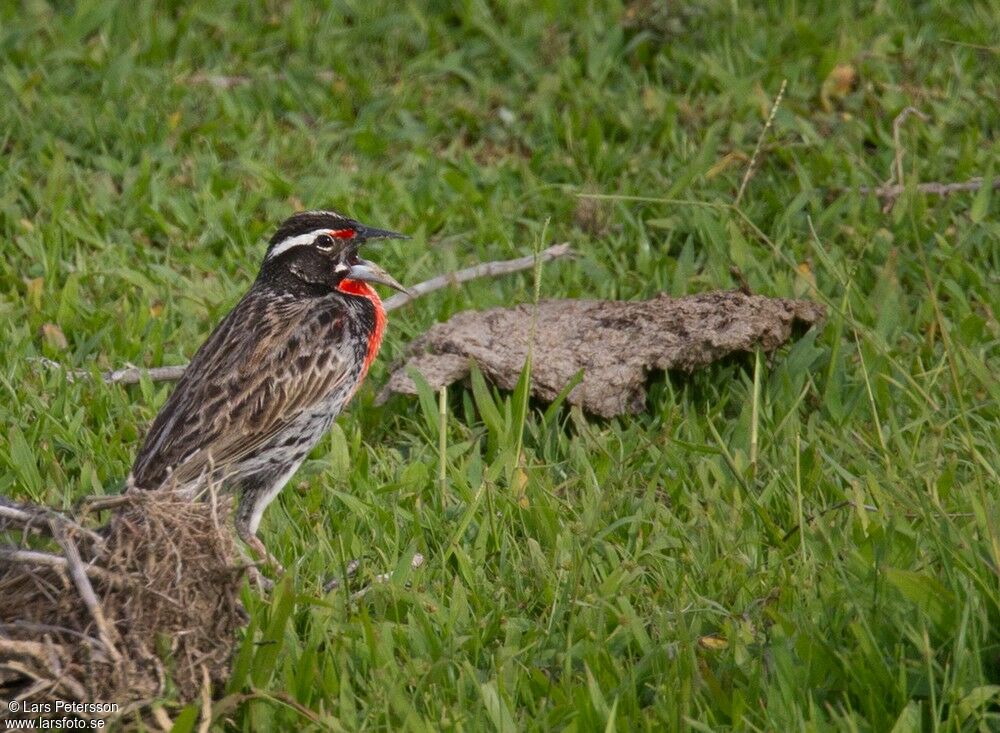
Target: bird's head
(321,248)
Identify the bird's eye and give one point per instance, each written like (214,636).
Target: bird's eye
(325,242)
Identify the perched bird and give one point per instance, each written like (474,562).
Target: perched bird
(267,384)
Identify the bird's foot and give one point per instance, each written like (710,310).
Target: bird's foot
(253,571)
(254,543)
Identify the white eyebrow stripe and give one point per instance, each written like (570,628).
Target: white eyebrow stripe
(296,241)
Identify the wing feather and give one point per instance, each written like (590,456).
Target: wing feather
(256,373)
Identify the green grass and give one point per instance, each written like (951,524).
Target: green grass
(644,573)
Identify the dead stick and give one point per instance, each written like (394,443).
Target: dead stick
(28,516)
(47,629)
(486,269)
(896,176)
(78,572)
(47,559)
(132,375)
(933,188)
(897,125)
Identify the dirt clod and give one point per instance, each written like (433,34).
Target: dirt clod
(615,343)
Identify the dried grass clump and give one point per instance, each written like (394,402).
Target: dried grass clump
(144,606)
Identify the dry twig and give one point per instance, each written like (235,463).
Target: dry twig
(486,269)
(78,572)
(897,144)
(934,188)
(231,81)
(47,559)
(219,81)
(132,375)
(31,518)
(896,175)
(895,186)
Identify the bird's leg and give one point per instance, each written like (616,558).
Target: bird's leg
(246,529)
(253,572)
(251,540)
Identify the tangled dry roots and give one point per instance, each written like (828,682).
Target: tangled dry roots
(144,606)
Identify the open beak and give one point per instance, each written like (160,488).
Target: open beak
(372,273)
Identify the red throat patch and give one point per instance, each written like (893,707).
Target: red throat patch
(359,287)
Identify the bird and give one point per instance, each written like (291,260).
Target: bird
(266,385)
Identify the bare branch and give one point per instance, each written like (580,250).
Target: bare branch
(896,175)
(48,629)
(78,572)
(125,375)
(219,81)
(133,375)
(47,559)
(897,125)
(933,188)
(34,518)
(486,269)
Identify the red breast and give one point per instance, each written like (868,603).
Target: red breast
(359,287)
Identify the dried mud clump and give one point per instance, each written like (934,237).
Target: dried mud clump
(614,343)
(144,606)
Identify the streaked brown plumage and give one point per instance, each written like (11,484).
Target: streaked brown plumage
(268,382)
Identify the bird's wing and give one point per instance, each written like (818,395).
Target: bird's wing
(257,372)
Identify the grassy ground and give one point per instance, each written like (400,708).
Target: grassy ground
(824,556)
